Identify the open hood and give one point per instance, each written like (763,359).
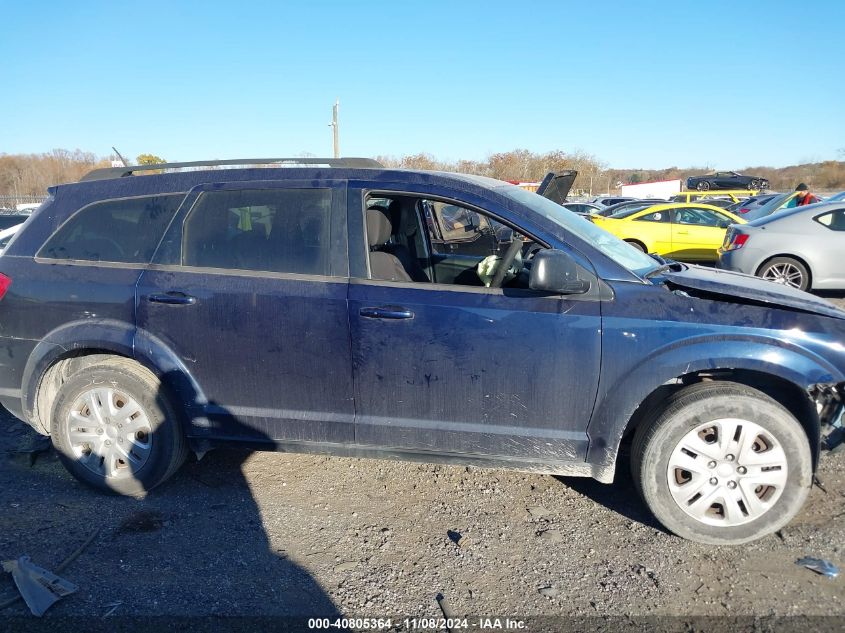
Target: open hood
(556,185)
(740,286)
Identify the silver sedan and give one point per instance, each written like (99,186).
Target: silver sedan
(802,247)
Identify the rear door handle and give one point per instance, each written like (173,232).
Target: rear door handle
(386,313)
(172,298)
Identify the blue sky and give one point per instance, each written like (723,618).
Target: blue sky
(637,84)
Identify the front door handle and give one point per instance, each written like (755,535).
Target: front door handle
(172,298)
(386,313)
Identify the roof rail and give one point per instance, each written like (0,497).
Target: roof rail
(121,172)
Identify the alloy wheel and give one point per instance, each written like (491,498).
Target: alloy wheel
(784,273)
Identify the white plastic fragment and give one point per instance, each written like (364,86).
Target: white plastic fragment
(38,587)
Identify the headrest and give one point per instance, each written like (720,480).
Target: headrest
(378,227)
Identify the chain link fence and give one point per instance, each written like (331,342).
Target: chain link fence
(15,204)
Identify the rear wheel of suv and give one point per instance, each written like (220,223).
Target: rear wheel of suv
(722,464)
(114,428)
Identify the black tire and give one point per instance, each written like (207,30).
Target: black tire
(686,410)
(769,270)
(165,435)
(703,186)
(638,245)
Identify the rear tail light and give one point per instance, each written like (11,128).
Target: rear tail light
(735,241)
(744,210)
(5,282)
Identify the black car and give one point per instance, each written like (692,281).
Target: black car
(727,180)
(336,306)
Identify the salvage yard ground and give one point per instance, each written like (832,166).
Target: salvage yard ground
(272,534)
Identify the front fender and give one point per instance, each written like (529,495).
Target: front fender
(621,392)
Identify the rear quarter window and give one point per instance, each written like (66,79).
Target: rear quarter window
(126,230)
(835,220)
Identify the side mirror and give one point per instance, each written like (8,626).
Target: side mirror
(555,271)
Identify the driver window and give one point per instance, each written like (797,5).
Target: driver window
(706,217)
(433,241)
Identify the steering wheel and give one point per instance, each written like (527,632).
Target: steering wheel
(506,262)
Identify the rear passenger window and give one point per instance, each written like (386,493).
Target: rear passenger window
(126,230)
(273,230)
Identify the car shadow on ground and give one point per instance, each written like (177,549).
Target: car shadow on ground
(195,547)
(621,496)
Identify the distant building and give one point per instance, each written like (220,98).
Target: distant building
(663,189)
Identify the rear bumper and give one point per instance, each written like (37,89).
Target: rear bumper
(740,260)
(14,353)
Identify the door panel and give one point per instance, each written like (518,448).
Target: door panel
(696,241)
(269,349)
(474,371)
(271,354)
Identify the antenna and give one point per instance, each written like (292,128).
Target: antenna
(122,159)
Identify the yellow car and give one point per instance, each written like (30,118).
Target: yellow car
(688,232)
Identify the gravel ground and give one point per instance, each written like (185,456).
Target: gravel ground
(272,534)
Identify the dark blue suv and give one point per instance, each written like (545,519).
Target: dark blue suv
(345,308)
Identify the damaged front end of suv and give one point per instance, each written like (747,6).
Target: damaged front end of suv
(830,404)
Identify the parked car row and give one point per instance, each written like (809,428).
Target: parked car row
(770,236)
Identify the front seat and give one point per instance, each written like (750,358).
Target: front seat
(394,247)
(383,265)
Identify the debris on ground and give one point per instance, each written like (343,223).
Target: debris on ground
(457,538)
(114,607)
(64,565)
(548,591)
(823,567)
(537,511)
(38,587)
(445,608)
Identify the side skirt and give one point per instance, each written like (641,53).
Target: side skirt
(201,446)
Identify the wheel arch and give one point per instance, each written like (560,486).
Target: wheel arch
(73,346)
(639,242)
(622,407)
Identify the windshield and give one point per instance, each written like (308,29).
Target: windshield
(621,252)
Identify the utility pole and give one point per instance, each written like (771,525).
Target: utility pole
(333,124)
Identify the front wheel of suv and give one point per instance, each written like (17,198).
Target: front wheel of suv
(722,464)
(115,430)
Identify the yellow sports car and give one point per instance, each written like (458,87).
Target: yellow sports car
(689,232)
